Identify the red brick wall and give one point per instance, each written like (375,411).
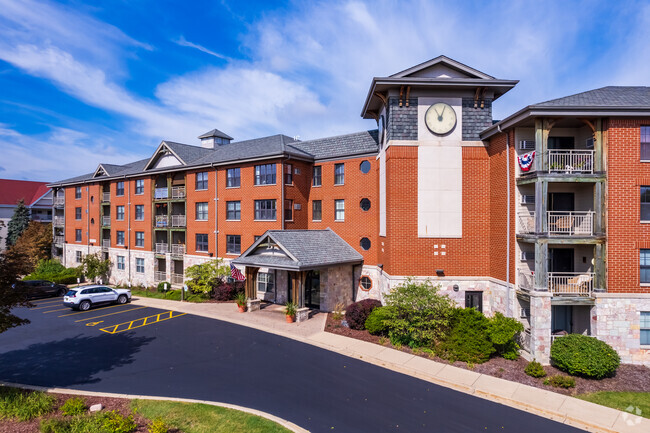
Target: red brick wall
(298,191)
(140,226)
(625,233)
(116,225)
(193,197)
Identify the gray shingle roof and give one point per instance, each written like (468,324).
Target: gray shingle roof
(215,133)
(341,145)
(611,96)
(311,248)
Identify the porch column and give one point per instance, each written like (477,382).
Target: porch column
(599,209)
(600,282)
(251,277)
(541,266)
(542,130)
(541,206)
(295,288)
(598,145)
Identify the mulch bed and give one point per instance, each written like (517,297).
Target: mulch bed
(121,405)
(635,378)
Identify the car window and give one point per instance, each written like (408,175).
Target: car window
(71,293)
(86,291)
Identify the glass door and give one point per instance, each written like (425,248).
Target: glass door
(312,290)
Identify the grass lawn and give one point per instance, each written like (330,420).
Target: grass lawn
(621,400)
(203,418)
(172,295)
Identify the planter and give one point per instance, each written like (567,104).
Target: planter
(242,308)
(290,319)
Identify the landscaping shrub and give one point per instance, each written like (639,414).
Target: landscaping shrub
(161,286)
(53,270)
(24,405)
(157,426)
(357,313)
(74,406)
(535,369)
(559,381)
(205,277)
(581,355)
(468,339)
(503,332)
(228,291)
(377,321)
(115,422)
(419,315)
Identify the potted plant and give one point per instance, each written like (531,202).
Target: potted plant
(290,309)
(240,300)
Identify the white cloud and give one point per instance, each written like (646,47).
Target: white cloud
(185,43)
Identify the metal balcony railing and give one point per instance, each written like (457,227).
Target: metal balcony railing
(571,283)
(571,161)
(160,276)
(59,201)
(162,221)
(178,192)
(106,197)
(59,221)
(106,221)
(178,220)
(178,250)
(41,218)
(161,193)
(106,244)
(162,248)
(570,223)
(177,278)
(59,240)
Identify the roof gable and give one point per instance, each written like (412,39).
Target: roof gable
(164,156)
(442,67)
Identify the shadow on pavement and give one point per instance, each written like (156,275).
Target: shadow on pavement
(71,361)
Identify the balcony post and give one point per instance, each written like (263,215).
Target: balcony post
(600,281)
(598,145)
(541,205)
(541,266)
(598,208)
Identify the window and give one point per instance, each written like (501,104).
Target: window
(265,281)
(265,174)
(317,177)
(120,263)
(139,265)
(139,212)
(233,179)
(365,283)
(120,189)
(139,186)
(288,175)
(119,237)
(645,266)
(316,210)
(201,180)
(364,167)
(202,242)
(339,174)
(265,210)
(645,203)
(119,213)
(233,210)
(365,244)
(202,211)
(78,257)
(474,300)
(77,235)
(77,213)
(139,239)
(339,210)
(645,328)
(288,210)
(77,192)
(233,244)
(365,204)
(645,143)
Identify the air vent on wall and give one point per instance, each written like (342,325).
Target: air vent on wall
(528,199)
(527,255)
(527,144)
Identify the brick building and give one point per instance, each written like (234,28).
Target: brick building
(540,216)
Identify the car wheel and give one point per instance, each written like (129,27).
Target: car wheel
(122,299)
(84,305)
(60,292)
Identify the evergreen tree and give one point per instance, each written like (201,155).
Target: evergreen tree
(18,223)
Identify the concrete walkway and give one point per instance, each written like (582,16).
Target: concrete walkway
(558,407)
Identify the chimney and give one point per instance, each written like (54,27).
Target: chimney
(213,139)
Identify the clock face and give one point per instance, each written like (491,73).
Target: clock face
(440,118)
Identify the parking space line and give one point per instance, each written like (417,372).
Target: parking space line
(54,304)
(143,321)
(91,311)
(47,304)
(110,314)
(47,299)
(52,311)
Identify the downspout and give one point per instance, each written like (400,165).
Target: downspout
(216,212)
(282,185)
(508,310)
(128,237)
(88,217)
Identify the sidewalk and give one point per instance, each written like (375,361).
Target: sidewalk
(558,407)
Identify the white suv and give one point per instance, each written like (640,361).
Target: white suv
(84,297)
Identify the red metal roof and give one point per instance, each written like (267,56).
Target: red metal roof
(13,190)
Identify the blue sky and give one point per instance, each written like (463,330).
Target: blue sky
(106,82)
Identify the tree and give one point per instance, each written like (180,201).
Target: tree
(206,276)
(94,267)
(12,266)
(18,223)
(35,243)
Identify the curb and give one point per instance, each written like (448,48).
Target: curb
(284,423)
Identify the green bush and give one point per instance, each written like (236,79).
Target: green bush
(161,286)
(468,339)
(418,315)
(581,355)
(79,424)
(115,422)
(53,270)
(24,405)
(559,381)
(503,332)
(157,426)
(74,406)
(377,322)
(535,369)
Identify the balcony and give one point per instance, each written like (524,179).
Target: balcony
(178,250)
(59,201)
(178,192)
(559,223)
(162,221)
(178,220)
(106,244)
(106,221)
(161,193)
(160,276)
(106,197)
(571,161)
(561,283)
(177,278)
(59,240)
(162,248)
(59,221)
(41,218)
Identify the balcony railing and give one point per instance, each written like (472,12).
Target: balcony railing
(178,192)
(570,223)
(59,240)
(106,197)
(571,161)
(177,278)
(162,248)
(162,221)
(106,244)
(178,220)
(178,250)
(106,221)
(161,193)
(41,218)
(571,283)
(59,201)
(59,221)
(160,276)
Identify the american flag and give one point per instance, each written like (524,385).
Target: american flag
(236,273)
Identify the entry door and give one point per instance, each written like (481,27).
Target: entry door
(474,300)
(561,259)
(561,202)
(312,290)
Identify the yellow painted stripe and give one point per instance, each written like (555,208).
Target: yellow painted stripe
(52,311)
(110,314)
(47,299)
(143,321)
(48,306)
(92,311)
